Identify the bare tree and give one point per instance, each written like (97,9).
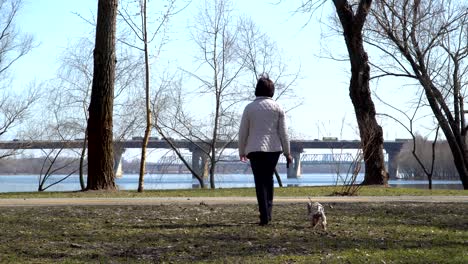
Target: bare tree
(424,154)
(13,46)
(427,41)
(418,151)
(54,160)
(349,186)
(100,125)
(370,131)
(141,31)
(229,52)
(51,166)
(215,37)
(52,124)
(14,108)
(261,55)
(171,118)
(72,87)
(352,16)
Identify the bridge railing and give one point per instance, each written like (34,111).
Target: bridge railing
(323,158)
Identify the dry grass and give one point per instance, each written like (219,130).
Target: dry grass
(358,233)
(241,192)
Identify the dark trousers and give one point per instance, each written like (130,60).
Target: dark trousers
(263,166)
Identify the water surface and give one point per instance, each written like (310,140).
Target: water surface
(30,183)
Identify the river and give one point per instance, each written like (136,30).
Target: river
(29,183)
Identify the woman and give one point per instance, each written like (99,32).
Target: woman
(262,137)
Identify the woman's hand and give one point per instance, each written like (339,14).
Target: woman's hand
(289,160)
(243,158)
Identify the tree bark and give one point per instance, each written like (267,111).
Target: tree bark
(82,158)
(406,26)
(370,131)
(144,146)
(214,139)
(100,141)
(458,147)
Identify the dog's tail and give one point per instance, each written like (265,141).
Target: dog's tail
(309,199)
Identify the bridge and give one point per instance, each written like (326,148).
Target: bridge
(232,164)
(198,149)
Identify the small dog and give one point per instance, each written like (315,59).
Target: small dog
(316,214)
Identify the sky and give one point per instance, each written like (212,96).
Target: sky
(326,110)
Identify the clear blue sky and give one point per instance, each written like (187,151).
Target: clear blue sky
(324,83)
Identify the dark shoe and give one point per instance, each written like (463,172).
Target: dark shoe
(263,221)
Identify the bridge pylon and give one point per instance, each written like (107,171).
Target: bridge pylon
(118,170)
(294,171)
(392,165)
(200,163)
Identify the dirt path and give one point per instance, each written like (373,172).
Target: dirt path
(224,200)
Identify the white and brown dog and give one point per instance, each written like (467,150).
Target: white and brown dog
(316,214)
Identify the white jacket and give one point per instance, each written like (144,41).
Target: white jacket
(263,128)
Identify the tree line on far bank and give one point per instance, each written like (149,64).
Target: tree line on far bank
(442,161)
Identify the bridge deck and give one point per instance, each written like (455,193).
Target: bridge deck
(296,145)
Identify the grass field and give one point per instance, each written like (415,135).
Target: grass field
(242,192)
(227,233)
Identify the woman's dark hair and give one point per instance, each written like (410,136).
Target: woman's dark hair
(265,86)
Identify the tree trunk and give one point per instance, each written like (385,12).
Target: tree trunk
(217,117)
(144,146)
(407,25)
(460,164)
(449,127)
(370,131)
(457,147)
(212,171)
(213,143)
(82,157)
(100,144)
